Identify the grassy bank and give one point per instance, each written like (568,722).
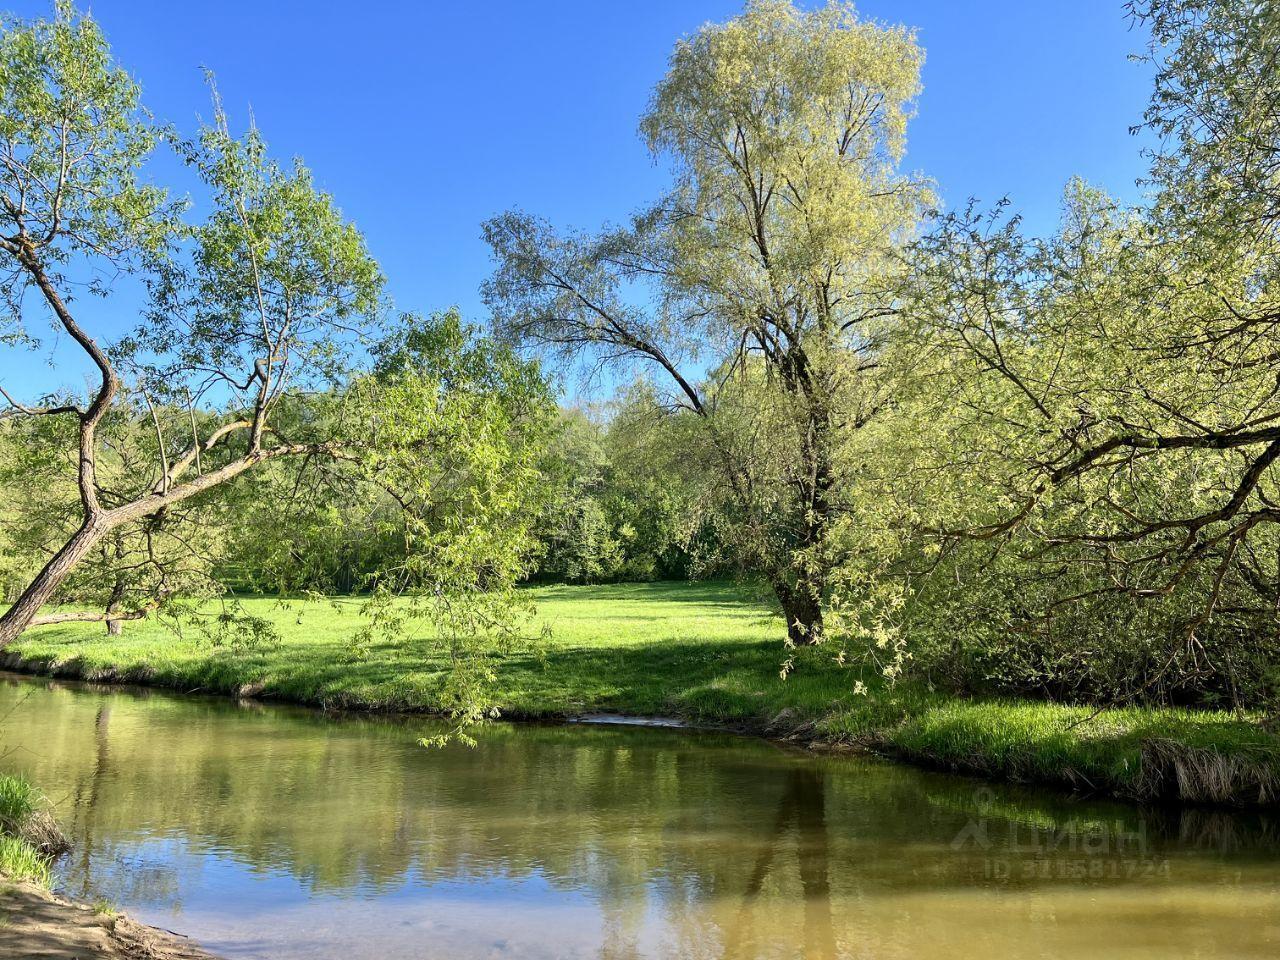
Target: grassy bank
(29,837)
(708,653)
(34,922)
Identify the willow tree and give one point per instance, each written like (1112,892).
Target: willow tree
(758,289)
(1119,401)
(248,348)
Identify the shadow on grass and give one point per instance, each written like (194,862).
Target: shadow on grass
(722,681)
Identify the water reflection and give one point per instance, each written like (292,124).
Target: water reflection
(276,832)
(802,809)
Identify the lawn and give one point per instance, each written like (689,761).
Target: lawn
(701,651)
(705,652)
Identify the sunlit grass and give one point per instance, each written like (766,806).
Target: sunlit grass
(19,860)
(1144,753)
(703,651)
(18,802)
(23,826)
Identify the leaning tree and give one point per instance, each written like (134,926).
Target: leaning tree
(758,288)
(263,339)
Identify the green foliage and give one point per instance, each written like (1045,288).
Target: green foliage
(1214,106)
(270,280)
(1009,465)
(267,366)
(75,143)
(19,860)
(132,568)
(458,427)
(624,508)
(24,829)
(765,273)
(1101,431)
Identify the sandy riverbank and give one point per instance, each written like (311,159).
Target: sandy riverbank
(39,925)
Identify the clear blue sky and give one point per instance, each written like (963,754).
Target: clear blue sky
(424,118)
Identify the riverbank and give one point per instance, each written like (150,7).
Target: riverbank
(38,923)
(35,922)
(708,654)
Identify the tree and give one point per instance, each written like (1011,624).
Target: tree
(251,351)
(1117,380)
(133,569)
(770,264)
(629,498)
(270,278)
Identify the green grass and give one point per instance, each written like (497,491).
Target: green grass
(21,823)
(19,860)
(1140,753)
(702,651)
(19,801)
(708,653)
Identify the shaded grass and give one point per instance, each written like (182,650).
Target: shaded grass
(708,653)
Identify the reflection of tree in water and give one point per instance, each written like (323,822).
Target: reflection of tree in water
(87,794)
(623,924)
(799,822)
(121,881)
(669,835)
(1221,831)
(802,808)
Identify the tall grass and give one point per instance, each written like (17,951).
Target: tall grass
(19,860)
(19,801)
(29,836)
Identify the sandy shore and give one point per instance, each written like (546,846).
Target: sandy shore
(38,925)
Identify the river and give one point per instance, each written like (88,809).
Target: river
(276,832)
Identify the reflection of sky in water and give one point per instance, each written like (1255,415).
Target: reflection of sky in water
(280,833)
(225,899)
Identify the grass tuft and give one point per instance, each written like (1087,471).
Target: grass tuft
(19,800)
(29,836)
(19,860)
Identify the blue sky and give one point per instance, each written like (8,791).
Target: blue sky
(425,118)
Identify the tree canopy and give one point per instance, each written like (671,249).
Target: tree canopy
(769,267)
(1009,462)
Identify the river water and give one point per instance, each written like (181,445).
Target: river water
(274,832)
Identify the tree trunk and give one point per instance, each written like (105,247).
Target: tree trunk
(115,626)
(802,610)
(19,616)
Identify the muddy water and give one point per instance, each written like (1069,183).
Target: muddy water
(274,832)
